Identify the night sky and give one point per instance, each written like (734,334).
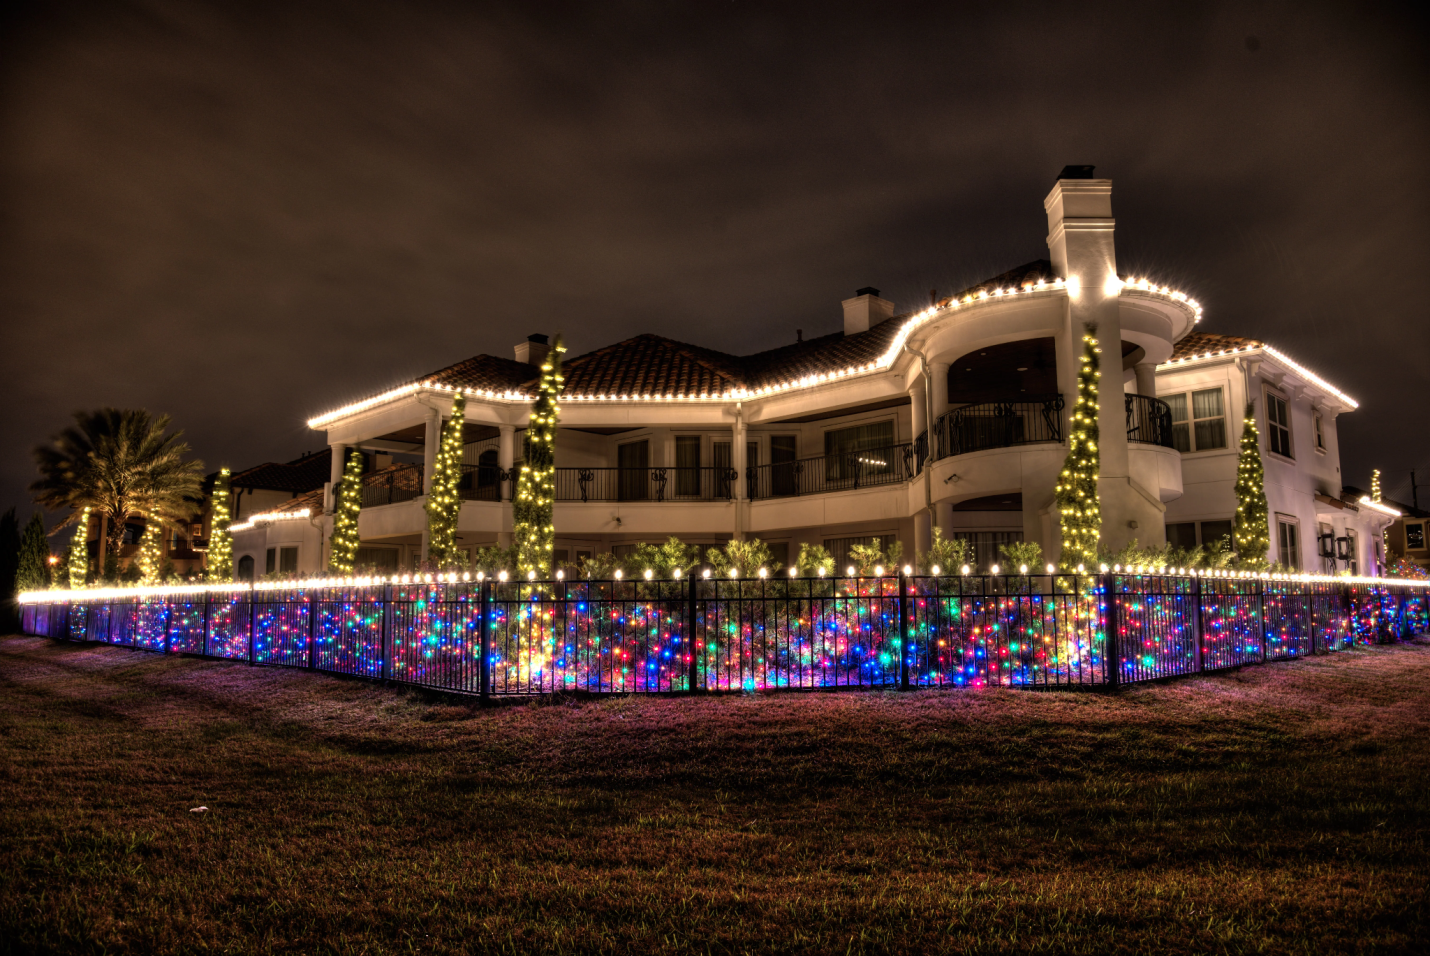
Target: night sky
(246,214)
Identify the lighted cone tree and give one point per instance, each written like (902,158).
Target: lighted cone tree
(151,552)
(79,552)
(219,566)
(444,504)
(343,545)
(536,485)
(1079,507)
(1253,537)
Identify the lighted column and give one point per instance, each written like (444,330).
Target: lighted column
(1080,239)
(335,472)
(738,456)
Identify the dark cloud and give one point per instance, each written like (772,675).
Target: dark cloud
(243,213)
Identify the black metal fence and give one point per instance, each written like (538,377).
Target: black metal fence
(508,638)
(1149,420)
(392,485)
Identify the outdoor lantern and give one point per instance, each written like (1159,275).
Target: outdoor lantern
(936,570)
(502,576)
(560,575)
(1326,544)
(1022,569)
(794,572)
(1051,569)
(964,569)
(734,572)
(618,574)
(994,569)
(762,573)
(675,573)
(1343,548)
(705,574)
(849,571)
(649,574)
(878,570)
(908,570)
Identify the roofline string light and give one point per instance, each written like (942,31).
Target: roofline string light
(915,321)
(269,517)
(1275,353)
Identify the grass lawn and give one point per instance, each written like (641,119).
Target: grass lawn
(1279,809)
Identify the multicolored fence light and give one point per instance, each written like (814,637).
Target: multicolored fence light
(508,638)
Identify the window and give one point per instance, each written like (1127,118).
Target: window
(1288,532)
(245,568)
(270,561)
(376,559)
(1278,425)
(779,554)
(1415,536)
(687,465)
(287,560)
(1198,420)
(1353,552)
(860,450)
(784,450)
(1182,534)
(633,459)
(177,541)
(1216,535)
(986,544)
(1320,432)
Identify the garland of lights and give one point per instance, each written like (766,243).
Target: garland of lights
(79,555)
(342,552)
(1079,506)
(220,557)
(1375,485)
(151,552)
(1253,535)
(444,504)
(536,485)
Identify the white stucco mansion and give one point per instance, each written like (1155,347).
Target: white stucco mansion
(955,415)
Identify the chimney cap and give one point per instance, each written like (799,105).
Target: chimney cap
(867,290)
(1076,172)
(537,337)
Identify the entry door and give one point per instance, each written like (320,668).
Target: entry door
(633,459)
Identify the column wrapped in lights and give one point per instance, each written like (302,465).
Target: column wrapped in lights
(536,485)
(343,546)
(219,564)
(1079,506)
(1253,536)
(151,551)
(79,551)
(444,504)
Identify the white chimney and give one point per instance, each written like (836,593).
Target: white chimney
(533,350)
(865,311)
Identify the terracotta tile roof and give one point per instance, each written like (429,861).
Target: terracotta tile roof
(298,475)
(1199,343)
(483,372)
(653,365)
(1025,276)
(312,501)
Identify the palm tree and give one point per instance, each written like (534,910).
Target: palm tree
(119,463)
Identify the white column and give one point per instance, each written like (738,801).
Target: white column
(335,472)
(938,373)
(737,454)
(1146,374)
(431,439)
(918,408)
(506,457)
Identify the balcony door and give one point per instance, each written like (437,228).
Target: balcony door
(687,466)
(783,454)
(633,470)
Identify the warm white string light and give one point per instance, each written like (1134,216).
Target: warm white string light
(270,517)
(918,319)
(1276,354)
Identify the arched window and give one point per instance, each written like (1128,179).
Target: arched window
(245,568)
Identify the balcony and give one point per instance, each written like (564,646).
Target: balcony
(850,471)
(996,425)
(1149,420)
(392,485)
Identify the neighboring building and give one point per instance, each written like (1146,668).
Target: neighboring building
(828,440)
(1409,536)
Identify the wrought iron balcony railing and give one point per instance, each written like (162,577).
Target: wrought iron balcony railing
(1149,420)
(844,472)
(391,485)
(996,425)
(645,484)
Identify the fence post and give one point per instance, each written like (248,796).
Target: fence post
(252,613)
(483,644)
(168,625)
(1199,628)
(386,595)
(1311,616)
(690,631)
(903,631)
(312,630)
(208,598)
(1261,614)
(1112,643)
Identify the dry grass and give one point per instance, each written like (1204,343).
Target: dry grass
(1281,809)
